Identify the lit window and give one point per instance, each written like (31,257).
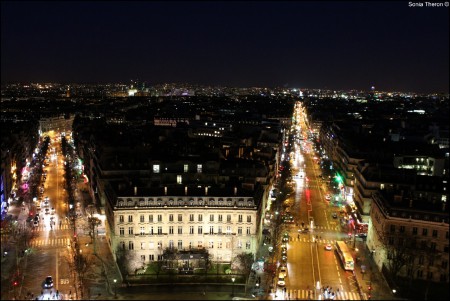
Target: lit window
(156,168)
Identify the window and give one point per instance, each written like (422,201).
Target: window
(130,245)
(228,230)
(220,218)
(421,259)
(159,230)
(142,231)
(130,218)
(434,234)
(429,275)
(151,230)
(170,217)
(170,229)
(391,241)
(191,217)
(186,168)
(143,257)
(229,218)
(130,230)
(414,231)
(211,229)
(239,244)
(200,230)
(156,168)
(180,230)
(211,217)
(142,245)
(444,264)
(179,179)
(151,257)
(120,218)
(150,218)
(402,229)
(200,217)
(180,217)
(424,232)
(199,168)
(122,243)
(248,231)
(171,245)
(200,244)
(240,218)
(392,228)
(159,217)
(191,229)
(433,246)
(122,231)
(219,229)
(219,244)
(180,244)
(249,218)
(247,245)
(239,230)
(141,218)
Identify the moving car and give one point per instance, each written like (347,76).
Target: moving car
(283,270)
(281,280)
(48,283)
(328,247)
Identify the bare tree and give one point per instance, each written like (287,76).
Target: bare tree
(244,262)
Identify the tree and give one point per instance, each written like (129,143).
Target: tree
(127,260)
(244,262)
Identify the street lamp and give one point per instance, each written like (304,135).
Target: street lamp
(115,288)
(232,280)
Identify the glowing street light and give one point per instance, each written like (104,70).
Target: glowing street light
(232,280)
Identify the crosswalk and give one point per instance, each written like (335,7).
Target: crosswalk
(43,227)
(50,242)
(302,294)
(307,239)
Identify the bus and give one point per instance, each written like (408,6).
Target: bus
(345,255)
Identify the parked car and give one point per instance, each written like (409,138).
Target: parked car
(334,215)
(328,247)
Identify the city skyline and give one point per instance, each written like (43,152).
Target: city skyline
(339,46)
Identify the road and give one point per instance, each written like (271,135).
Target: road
(310,266)
(51,253)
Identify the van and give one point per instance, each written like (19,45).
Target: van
(281,281)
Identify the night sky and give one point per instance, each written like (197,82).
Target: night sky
(330,45)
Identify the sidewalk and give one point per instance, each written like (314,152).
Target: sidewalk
(370,280)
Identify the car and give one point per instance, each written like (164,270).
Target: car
(36,223)
(281,280)
(334,215)
(284,258)
(283,251)
(328,196)
(283,270)
(328,247)
(48,283)
(47,211)
(36,218)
